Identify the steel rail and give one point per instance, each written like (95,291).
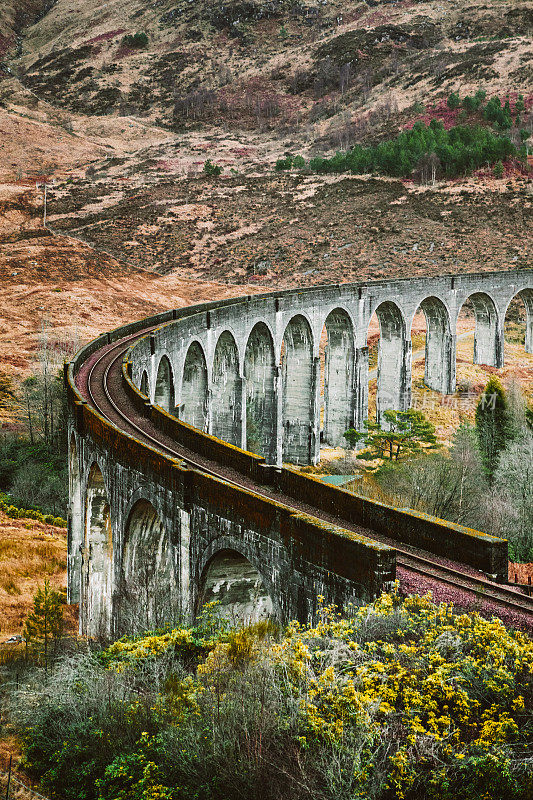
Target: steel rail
(479,586)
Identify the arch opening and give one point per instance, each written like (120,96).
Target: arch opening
(391,365)
(488,338)
(431,333)
(338,348)
(226,411)
(147,597)
(75,525)
(193,407)
(299,389)
(98,557)
(237,585)
(260,379)
(145,384)
(164,395)
(518,323)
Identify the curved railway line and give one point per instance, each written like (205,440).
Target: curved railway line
(100,382)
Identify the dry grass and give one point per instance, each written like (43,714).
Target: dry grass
(30,553)
(447,412)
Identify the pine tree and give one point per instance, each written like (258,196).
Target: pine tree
(407,432)
(493,424)
(44,625)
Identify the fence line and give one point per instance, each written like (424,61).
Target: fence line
(23,785)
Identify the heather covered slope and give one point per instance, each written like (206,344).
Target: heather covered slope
(258,64)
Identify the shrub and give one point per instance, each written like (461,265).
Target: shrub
(498,170)
(299,162)
(453,101)
(284,163)
(138,41)
(473,102)
(212,170)
(401,699)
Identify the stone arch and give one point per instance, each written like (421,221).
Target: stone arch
(439,366)
(394,360)
(299,381)
(338,377)
(488,336)
(526,296)
(231,579)
(98,557)
(260,382)
(145,384)
(147,597)
(226,391)
(194,389)
(75,525)
(164,394)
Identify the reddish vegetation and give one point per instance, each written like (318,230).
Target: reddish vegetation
(449,117)
(440,111)
(104,37)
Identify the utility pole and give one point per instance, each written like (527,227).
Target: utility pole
(45,186)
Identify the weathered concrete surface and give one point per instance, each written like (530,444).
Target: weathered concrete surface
(149,539)
(249,371)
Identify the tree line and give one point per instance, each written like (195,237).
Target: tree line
(33,461)
(457,151)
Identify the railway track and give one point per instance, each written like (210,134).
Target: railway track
(102,383)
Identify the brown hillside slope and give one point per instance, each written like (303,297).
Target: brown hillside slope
(258,64)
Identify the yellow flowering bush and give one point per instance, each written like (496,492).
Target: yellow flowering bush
(399,699)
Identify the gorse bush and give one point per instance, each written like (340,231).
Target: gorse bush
(13,512)
(402,699)
(459,150)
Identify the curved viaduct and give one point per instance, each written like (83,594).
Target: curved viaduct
(179,426)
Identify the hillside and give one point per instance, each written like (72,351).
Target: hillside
(260,64)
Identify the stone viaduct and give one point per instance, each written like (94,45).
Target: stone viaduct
(152,536)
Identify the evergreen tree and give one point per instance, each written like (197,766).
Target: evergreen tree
(406,434)
(44,625)
(493,424)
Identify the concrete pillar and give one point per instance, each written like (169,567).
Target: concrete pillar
(75,527)
(164,386)
(339,398)
(488,345)
(185,567)
(278,388)
(450,357)
(488,336)
(405,376)
(243,414)
(74,558)
(439,373)
(314,437)
(298,370)
(194,388)
(209,416)
(225,396)
(394,375)
(260,405)
(529,333)
(360,387)
(527,298)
